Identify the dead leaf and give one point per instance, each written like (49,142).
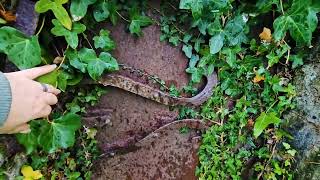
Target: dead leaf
(266,35)
(258,78)
(8,15)
(57,60)
(250,123)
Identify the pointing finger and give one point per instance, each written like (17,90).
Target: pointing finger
(38,71)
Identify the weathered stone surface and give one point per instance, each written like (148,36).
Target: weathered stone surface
(304,122)
(165,154)
(124,118)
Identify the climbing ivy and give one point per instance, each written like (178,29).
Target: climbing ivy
(254,47)
(68,37)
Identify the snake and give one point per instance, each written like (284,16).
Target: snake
(132,85)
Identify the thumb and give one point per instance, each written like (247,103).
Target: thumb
(38,71)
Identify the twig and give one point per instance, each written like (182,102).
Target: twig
(271,106)
(55,47)
(64,57)
(85,37)
(122,17)
(172,6)
(310,162)
(273,151)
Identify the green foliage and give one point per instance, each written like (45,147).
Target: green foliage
(60,133)
(300,20)
(104,41)
(138,21)
(263,121)
(253,93)
(71,36)
(19,48)
(58,10)
(57,145)
(86,60)
(50,78)
(254,87)
(51,136)
(103,10)
(78,8)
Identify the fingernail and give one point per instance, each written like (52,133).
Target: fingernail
(26,131)
(54,65)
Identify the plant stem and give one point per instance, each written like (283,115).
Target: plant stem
(42,24)
(85,37)
(281,5)
(64,57)
(122,17)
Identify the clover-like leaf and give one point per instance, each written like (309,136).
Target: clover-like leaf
(78,8)
(104,41)
(71,36)
(263,121)
(24,52)
(58,10)
(60,133)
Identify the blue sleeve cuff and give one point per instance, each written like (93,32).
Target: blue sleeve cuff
(5,98)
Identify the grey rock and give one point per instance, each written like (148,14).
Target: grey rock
(304,122)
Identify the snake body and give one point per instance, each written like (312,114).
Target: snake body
(146,91)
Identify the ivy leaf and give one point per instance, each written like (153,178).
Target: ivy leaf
(78,8)
(300,20)
(60,133)
(216,43)
(71,36)
(29,141)
(75,61)
(87,60)
(22,51)
(106,9)
(196,7)
(297,60)
(58,10)
(185,4)
(137,22)
(187,49)
(50,78)
(105,62)
(104,41)
(263,121)
(174,40)
(235,30)
(264,6)
(231,55)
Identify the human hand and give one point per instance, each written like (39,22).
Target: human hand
(29,101)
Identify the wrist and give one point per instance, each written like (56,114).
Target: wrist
(5,98)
